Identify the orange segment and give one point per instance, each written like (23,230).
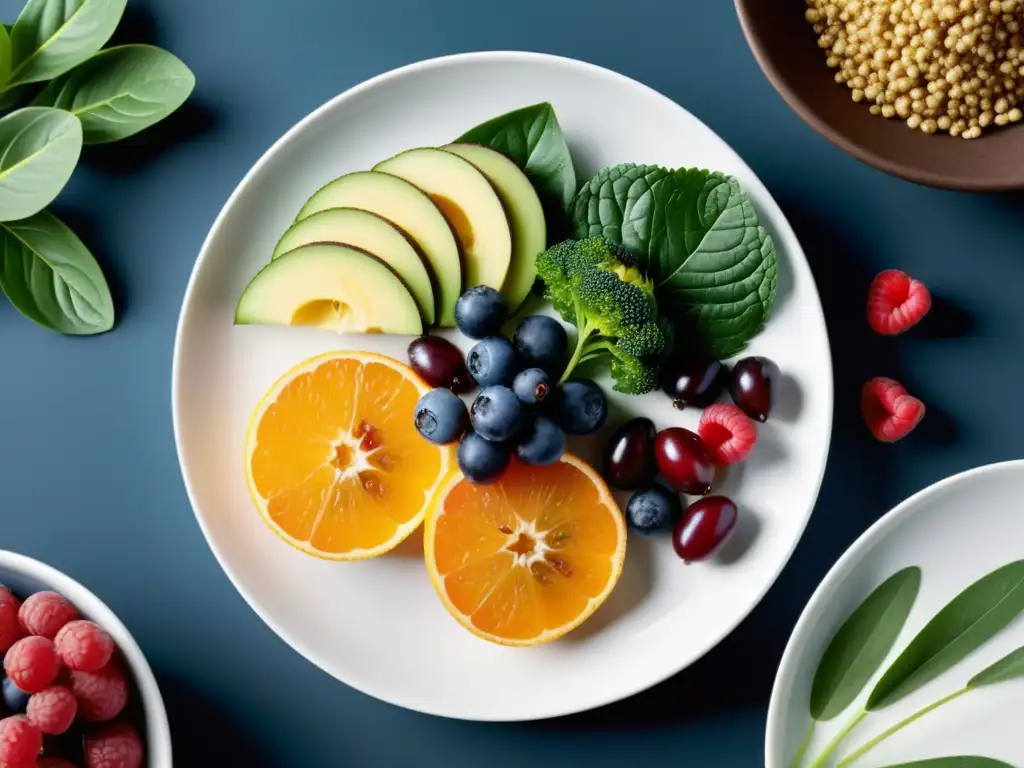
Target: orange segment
(529,558)
(333,461)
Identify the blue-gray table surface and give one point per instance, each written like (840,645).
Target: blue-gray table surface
(90,479)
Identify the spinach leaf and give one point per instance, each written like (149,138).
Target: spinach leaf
(697,236)
(969,620)
(532,138)
(863,641)
(963,761)
(1010,667)
(49,38)
(50,276)
(121,91)
(39,148)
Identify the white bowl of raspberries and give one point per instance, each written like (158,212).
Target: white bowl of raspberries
(77,691)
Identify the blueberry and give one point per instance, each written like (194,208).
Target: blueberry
(15,698)
(480,312)
(441,416)
(492,361)
(541,341)
(654,509)
(532,386)
(582,408)
(482,461)
(496,413)
(542,442)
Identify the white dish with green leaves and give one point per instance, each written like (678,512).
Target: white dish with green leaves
(911,652)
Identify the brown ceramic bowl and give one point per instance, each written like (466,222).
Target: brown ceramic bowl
(786,48)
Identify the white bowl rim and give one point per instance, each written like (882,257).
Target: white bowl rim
(791,657)
(158,731)
(781,223)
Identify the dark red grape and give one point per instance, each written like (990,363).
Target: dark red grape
(629,455)
(703,527)
(754,385)
(440,363)
(694,382)
(684,461)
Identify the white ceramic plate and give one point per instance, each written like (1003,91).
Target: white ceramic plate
(956,531)
(378,625)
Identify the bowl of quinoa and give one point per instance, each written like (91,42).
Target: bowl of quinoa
(928,90)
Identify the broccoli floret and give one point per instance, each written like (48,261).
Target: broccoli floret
(611,304)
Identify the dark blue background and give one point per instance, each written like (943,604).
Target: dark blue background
(89,476)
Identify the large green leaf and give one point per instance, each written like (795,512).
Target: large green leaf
(860,646)
(973,617)
(697,236)
(50,276)
(963,761)
(1010,667)
(532,138)
(39,148)
(121,91)
(52,36)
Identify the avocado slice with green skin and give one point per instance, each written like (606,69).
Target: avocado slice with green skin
(411,211)
(334,287)
(525,214)
(470,204)
(373,234)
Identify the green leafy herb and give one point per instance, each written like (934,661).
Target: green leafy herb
(973,617)
(121,91)
(532,138)
(955,762)
(1010,667)
(860,646)
(50,276)
(39,148)
(698,238)
(49,37)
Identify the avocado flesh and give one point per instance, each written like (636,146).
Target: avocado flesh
(413,213)
(333,287)
(525,215)
(373,234)
(470,204)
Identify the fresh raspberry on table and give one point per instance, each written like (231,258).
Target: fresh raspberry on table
(101,695)
(10,628)
(84,646)
(116,746)
(728,433)
(44,613)
(52,710)
(20,742)
(896,302)
(32,663)
(889,411)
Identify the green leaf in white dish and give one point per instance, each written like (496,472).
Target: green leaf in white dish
(39,148)
(121,91)
(963,761)
(50,276)
(697,236)
(52,36)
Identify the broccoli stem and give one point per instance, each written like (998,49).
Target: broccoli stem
(585,330)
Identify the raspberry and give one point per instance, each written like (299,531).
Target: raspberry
(728,433)
(20,742)
(10,629)
(115,746)
(84,646)
(44,613)
(889,411)
(32,663)
(101,695)
(896,302)
(52,710)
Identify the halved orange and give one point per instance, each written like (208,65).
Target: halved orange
(529,558)
(332,458)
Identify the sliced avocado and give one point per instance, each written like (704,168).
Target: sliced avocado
(469,203)
(525,214)
(409,209)
(334,287)
(373,234)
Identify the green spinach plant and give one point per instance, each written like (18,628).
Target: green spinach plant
(90,96)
